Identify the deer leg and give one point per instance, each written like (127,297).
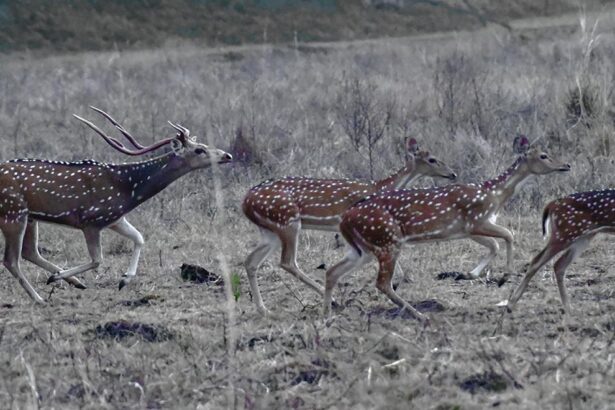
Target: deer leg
(269,241)
(383,283)
(13,237)
(493,247)
(351,261)
(536,264)
(92,240)
(124,228)
(563,262)
(290,239)
(497,231)
(30,253)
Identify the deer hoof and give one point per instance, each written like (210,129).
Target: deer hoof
(80,285)
(76,283)
(53,278)
(125,281)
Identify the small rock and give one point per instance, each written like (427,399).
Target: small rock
(198,274)
(122,329)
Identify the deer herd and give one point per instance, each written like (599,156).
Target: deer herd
(375,218)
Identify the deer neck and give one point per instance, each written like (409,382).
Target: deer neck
(398,180)
(143,180)
(506,184)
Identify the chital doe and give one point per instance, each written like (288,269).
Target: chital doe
(380,224)
(89,196)
(571,223)
(281,208)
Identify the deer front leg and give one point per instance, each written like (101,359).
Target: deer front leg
(124,228)
(92,239)
(496,231)
(13,238)
(31,253)
(493,247)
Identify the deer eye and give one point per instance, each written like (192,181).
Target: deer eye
(432,160)
(199,151)
(543,156)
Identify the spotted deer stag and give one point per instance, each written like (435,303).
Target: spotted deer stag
(282,207)
(379,225)
(89,196)
(570,223)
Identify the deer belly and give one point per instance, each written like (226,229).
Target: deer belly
(67,218)
(324,223)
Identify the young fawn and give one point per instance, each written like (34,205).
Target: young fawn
(282,207)
(89,196)
(380,224)
(570,223)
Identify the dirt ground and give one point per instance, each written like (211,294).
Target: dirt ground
(474,355)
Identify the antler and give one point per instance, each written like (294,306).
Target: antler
(126,134)
(118,145)
(183,132)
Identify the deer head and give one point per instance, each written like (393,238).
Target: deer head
(426,163)
(538,161)
(184,147)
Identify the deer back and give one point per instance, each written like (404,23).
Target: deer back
(580,213)
(283,200)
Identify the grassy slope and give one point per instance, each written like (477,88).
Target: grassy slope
(73,25)
(286,101)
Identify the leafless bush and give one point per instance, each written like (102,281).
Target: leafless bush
(459,92)
(582,104)
(364,116)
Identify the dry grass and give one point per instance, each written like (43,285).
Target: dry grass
(284,100)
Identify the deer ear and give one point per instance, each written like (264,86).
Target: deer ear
(177,146)
(521,144)
(412,146)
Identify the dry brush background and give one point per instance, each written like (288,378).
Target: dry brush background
(282,110)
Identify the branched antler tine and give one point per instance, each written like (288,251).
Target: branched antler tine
(184,129)
(110,140)
(177,128)
(126,134)
(119,146)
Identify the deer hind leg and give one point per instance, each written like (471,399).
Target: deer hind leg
(386,260)
(493,247)
(290,239)
(563,262)
(92,240)
(30,253)
(269,242)
(124,228)
(13,237)
(351,261)
(540,260)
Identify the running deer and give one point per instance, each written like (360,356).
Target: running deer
(281,208)
(89,196)
(380,224)
(571,223)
